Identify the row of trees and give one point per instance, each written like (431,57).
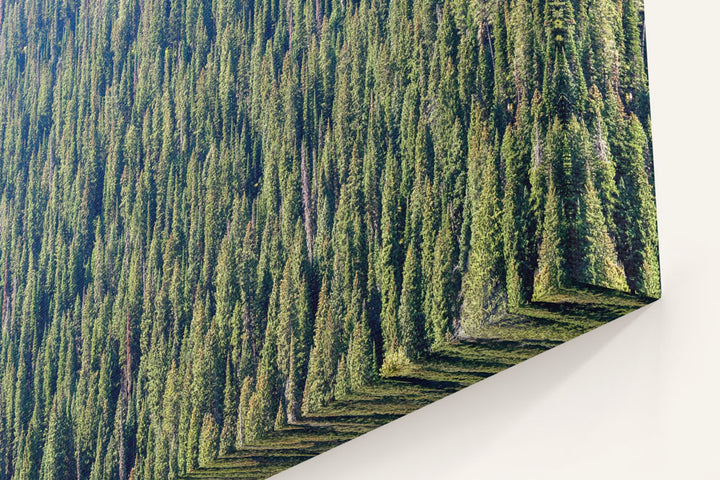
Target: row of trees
(217,216)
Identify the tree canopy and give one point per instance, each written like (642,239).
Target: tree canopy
(216,216)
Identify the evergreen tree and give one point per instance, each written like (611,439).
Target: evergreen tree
(551,272)
(361,355)
(57,459)
(517,222)
(410,316)
(323,356)
(390,257)
(600,263)
(218,216)
(442,301)
(484,293)
(209,440)
(263,404)
(636,220)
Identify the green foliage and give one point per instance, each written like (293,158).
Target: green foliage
(322,368)
(517,222)
(600,262)
(442,291)
(361,362)
(217,217)
(209,440)
(637,224)
(395,364)
(551,275)
(264,402)
(456,365)
(389,258)
(57,461)
(484,295)
(410,316)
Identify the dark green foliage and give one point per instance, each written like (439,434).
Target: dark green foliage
(265,400)
(209,440)
(390,258)
(484,294)
(57,459)
(518,223)
(551,275)
(217,217)
(410,315)
(443,291)
(361,364)
(636,221)
(324,359)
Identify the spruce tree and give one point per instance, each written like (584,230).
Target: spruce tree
(389,257)
(57,459)
(442,292)
(517,221)
(637,225)
(361,354)
(263,404)
(600,264)
(209,440)
(411,320)
(484,296)
(323,356)
(551,268)
(219,216)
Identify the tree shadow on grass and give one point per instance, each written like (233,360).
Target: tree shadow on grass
(532,329)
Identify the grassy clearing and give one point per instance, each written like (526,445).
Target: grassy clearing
(531,330)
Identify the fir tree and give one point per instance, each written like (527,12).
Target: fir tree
(636,222)
(484,283)
(209,440)
(410,316)
(551,273)
(323,356)
(218,216)
(442,298)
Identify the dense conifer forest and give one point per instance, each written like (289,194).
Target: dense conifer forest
(217,216)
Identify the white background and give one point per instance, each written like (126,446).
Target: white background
(638,398)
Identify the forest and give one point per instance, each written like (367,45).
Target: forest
(218,216)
